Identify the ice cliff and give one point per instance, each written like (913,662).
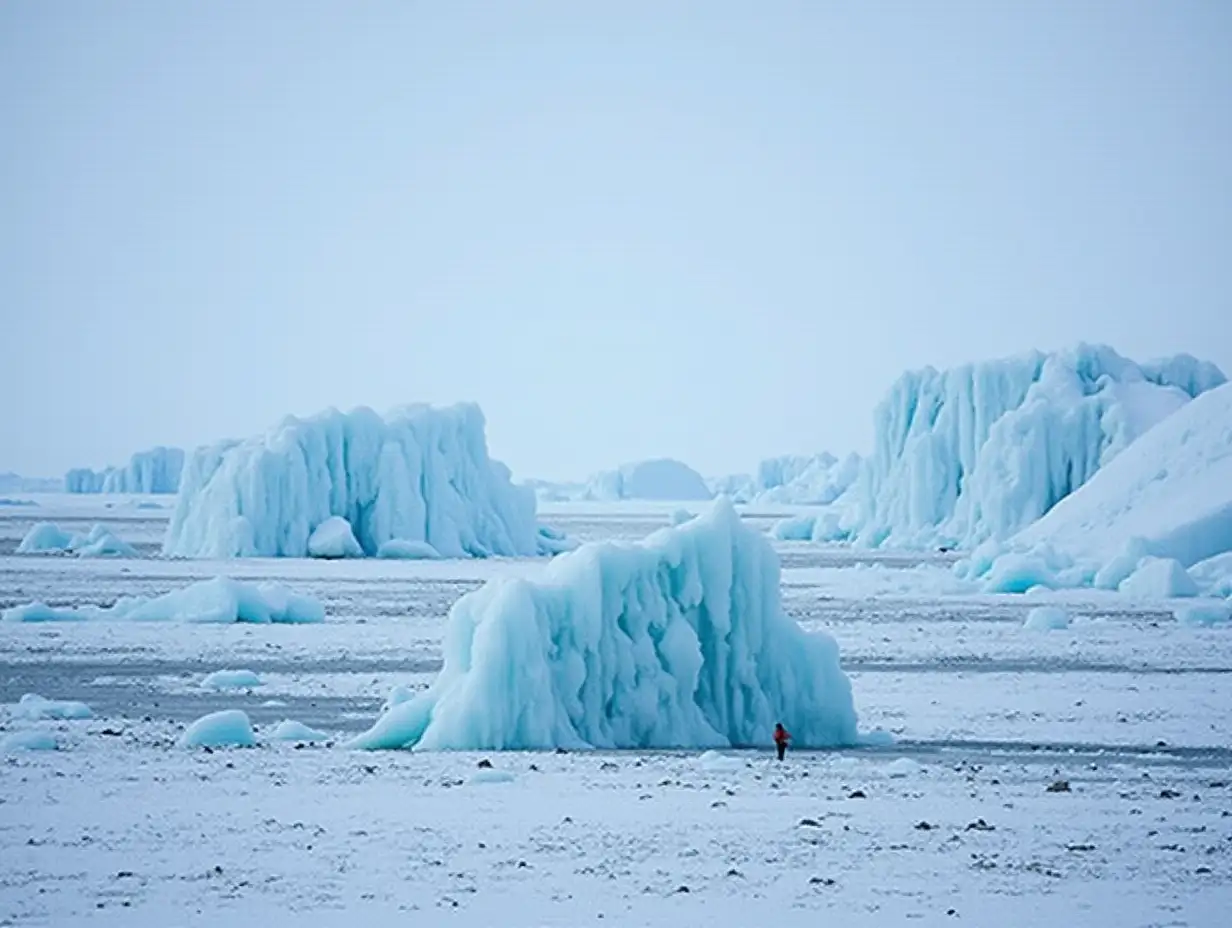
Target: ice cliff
(154,471)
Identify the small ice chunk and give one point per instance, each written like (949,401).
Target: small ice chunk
(1017,573)
(402,549)
(491,776)
(290,730)
(903,767)
(1158,578)
(229,728)
(35,708)
(1046,618)
(334,538)
(231,680)
(44,538)
(30,740)
(1204,614)
(41,612)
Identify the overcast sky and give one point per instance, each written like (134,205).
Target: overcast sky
(714,231)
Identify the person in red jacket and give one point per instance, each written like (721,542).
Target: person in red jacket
(781,737)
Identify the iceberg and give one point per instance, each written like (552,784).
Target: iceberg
(36,708)
(662,479)
(154,471)
(679,640)
(983,450)
(291,730)
(422,474)
(220,600)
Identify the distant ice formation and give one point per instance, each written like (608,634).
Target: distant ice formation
(795,479)
(677,641)
(421,475)
(154,471)
(49,538)
(660,479)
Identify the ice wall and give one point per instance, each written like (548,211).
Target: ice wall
(154,471)
(422,474)
(982,450)
(676,641)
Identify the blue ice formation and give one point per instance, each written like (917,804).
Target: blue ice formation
(1155,522)
(679,640)
(982,450)
(228,728)
(334,539)
(420,475)
(49,538)
(659,479)
(219,600)
(154,471)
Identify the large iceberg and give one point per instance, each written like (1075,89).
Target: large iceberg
(154,471)
(420,475)
(982,450)
(677,641)
(660,479)
(1164,504)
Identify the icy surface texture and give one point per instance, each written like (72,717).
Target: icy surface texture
(154,471)
(30,740)
(209,601)
(982,450)
(677,641)
(334,538)
(422,474)
(662,479)
(229,728)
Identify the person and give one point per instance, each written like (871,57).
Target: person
(781,737)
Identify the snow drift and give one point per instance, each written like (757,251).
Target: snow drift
(661,479)
(219,600)
(983,450)
(677,641)
(1163,505)
(421,475)
(154,471)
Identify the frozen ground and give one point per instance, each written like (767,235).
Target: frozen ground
(122,827)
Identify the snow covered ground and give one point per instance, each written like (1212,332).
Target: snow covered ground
(122,826)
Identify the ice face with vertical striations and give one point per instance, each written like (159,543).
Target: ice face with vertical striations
(676,641)
(421,474)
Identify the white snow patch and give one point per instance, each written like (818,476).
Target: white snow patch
(677,641)
(228,728)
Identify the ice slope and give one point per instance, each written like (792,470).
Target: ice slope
(421,474)
(983,450)
(154,471)
(661,479)
(1166,496)
(677,641)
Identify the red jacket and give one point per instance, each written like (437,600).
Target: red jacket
(781,736)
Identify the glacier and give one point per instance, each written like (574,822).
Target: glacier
(982,450)
(1161,507)
(421,474)
(679,640)
(660,479)
(154,471)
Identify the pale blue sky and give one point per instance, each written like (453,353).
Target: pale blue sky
(715,231)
